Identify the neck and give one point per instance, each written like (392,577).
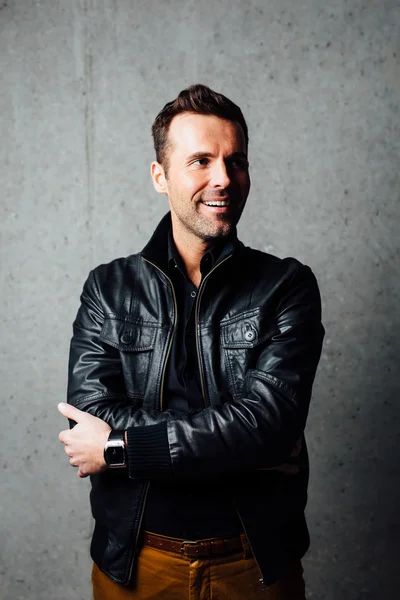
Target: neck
(191,250)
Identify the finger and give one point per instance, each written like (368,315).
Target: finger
(68,451)
(284,468)
(63,436)
(71,412)
(72,462)
(82,474)
(297,449)
(289,469)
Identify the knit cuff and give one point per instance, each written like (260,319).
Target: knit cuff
(148,452)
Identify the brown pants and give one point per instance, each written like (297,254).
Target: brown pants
(169,576)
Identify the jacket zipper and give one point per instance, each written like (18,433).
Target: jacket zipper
(138,531)
(201,289)
(161,408)
(173,332)
(199,294)
(261,580)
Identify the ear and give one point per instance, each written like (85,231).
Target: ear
(158,177)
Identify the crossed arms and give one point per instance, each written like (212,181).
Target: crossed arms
(262,430)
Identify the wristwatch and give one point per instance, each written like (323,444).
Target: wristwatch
(115,449)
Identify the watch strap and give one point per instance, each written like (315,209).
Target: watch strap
(117,434)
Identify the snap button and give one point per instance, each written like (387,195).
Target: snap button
(249,335)
(126,338)
(193,294)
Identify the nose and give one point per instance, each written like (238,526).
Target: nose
(220,177)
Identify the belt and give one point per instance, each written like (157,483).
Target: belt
(212,547)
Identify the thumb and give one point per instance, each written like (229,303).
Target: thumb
(71,412)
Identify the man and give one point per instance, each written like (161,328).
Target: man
(190,377)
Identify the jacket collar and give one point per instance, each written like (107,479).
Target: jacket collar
(157,248)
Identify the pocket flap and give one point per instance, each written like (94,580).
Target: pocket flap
(128,337)
(243,331)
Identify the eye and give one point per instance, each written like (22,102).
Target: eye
(239,163)
(202,162)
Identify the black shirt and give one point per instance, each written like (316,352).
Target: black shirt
(198,508)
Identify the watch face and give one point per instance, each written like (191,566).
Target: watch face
(116,455)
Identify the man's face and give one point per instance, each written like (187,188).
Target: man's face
(208,180)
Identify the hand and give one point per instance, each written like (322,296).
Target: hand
(84,444)
(289,468)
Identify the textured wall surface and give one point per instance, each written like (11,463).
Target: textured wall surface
(319,83)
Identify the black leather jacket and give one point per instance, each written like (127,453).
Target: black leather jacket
(259,339)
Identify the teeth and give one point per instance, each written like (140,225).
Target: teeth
(216,203)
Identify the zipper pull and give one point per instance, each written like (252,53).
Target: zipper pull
(264,588)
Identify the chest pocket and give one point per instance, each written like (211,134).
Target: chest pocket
(242,340)
(135,342)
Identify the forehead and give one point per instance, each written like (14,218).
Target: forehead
(191,132)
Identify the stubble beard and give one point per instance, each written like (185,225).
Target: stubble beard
(206,229)
(194,222)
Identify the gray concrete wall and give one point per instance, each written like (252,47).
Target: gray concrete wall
(319,83)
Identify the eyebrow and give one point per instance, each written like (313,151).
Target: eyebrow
(197,155)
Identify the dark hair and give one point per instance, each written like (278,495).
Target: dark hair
(198,99)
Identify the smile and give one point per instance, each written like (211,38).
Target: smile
(215,203)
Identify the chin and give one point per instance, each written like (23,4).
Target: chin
(219,233)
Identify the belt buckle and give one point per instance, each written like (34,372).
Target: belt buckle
(191,543)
